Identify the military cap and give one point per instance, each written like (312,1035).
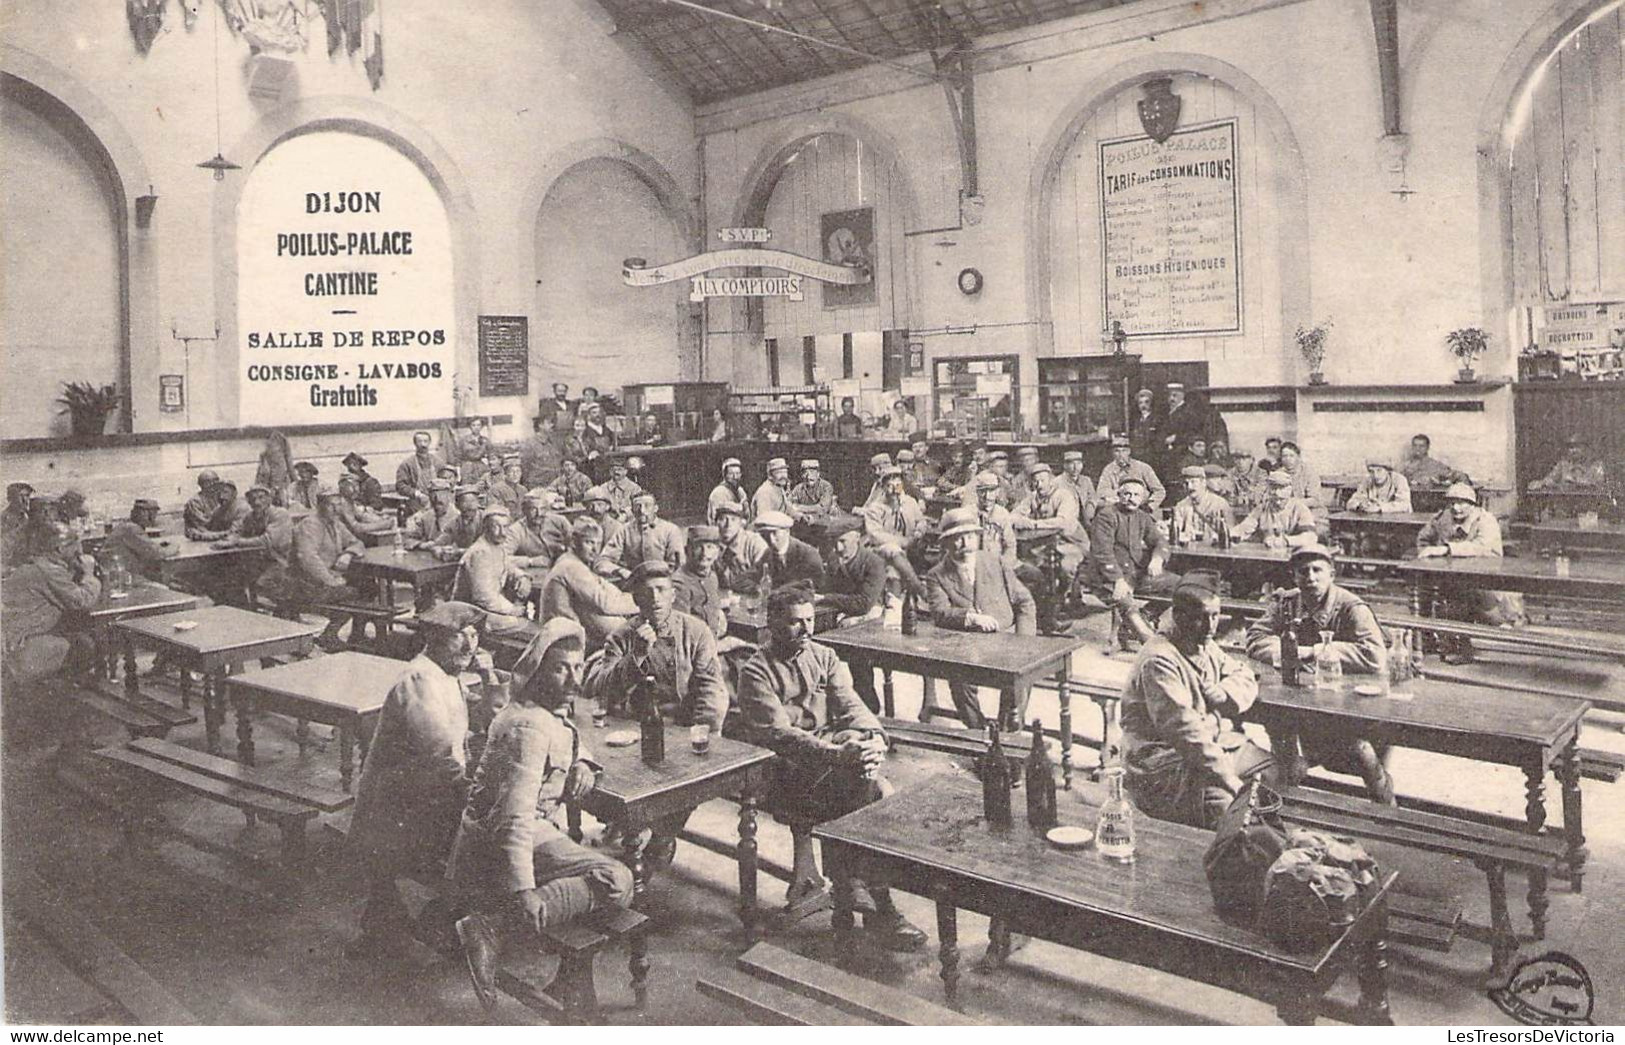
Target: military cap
(732,462)
(1315,550)
(1145,393)
(1279,480)
(1214,471)
(1379,461)
(648,570)
(811,462)
(880,460)
(700,534)
(960,520)
(1121,440)
(354,458)
(147,504)
(452,615)
(466,489)
(512,459)
(987,481)
(905,455)
(252,490)
(730,508)
(597,493)
(998,455)
(1040,469)
(447,471)
(439,485)
(1461,492)
(498,510)
(776,463)
(891,471)
(306,466)
(1072,455)
(1129,480)
(1193,471)
(1026,451)
(774,521)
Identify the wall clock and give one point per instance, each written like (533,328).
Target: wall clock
(970,281)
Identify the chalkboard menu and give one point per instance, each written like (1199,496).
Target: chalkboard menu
(504,355)
(1170,225)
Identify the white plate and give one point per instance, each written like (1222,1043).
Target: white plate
(1070,837)
(622,738)
(1368,690)
(185,625)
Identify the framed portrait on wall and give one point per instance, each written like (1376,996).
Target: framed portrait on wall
(848,238)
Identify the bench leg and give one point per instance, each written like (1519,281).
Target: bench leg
(132,687)
(186,689)
(213,714)
(1503,941)
(1538,902)
(948,946)
(1373,977)
(1063,692)
(843,920)
(888,699)
(245,728)
(1568,772)
(1535,814)
(346,756)
(746,856)
(637,963)
(573,988)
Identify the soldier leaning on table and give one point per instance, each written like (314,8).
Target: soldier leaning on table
(1463,530)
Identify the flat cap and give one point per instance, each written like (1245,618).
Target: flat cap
(1026,451)
(354,458)
(1461,492)
(453,615)
(1379,461)
(811,462)
(147,504)
(774,521)
(1310,551)
(697,534)
(512,459)
(1194,471)
(1072,455)
(648,570)
(776,463)
(1214,471)
(880,460)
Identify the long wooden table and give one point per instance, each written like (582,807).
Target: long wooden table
(1008,663)
(224,639)
(1568,533)
(931,840)
(637,795)
(344,690)
(416,567)
(1591,578)
(142,600)
(1381,535)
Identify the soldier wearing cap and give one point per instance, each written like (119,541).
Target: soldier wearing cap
(571,484)
(463,529)
(541,534)
(740,566)
(510,858)
(731,490)
(143,555)
(488,578)
(415,780)
(622,489)
(1021,483)
(305,486)
(1124,465)
(1319,605)
(474,451)
(998,462)
(1578,468)
(41,608)
(1202,512)
(268,529)
(647,537)
(361,520)
(412,476)
(1072,475)
(322,550)
(1463,530)
(908,464)
(601,509)
(974,590)
(199,511)
(1185,754)
(790,560)
(926,471)
(879,464)
(1280,519)
(1245,478)
(1423,471)
(1382,490)
(14,525)
(574,591)
(854,584)
(424,527)
(228,510)
(1128,553)
(814,496)
(892,525)
(1218,481)
(773,495)
(1053,507)
(370,492)
(998,526)
(695,587)
(507,487)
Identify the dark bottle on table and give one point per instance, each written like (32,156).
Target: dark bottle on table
(995,781)
(652,729)
(1041,815)
(1221,534)
(1291,662)
(911,620)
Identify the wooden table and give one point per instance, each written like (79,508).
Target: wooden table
(1157,912)
(1567,533)
(1567,502)
(1254,564)
(143,600)
(417,567)
(344,690)
(637,795)
(1530,731)
(751,625)
(225,638)
(1385,535)
(1591,578)
(1008,663)
(191,556)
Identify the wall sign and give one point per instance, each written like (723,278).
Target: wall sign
(848,237)
(171,393)
(344,286)
(1170,221)
(504,355)
(752,235)
(702,287)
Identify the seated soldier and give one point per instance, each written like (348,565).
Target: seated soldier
(1123,466)
(1083,487)
(369,491)
(14,525)
(413,475)
(667,658)
(511,862)
(489,579)
(1423,471)
(1280,520)
(893,524)
(1217,480)
(1127,555)
(647,537)
(305,486)
(797,700)
(881,465)
(41,607)
(1317,606)
(855,586)
(415,779)
(323,548)
(601,510)
(1305,483)
(1578,468)
(740,565)
(463,529)
(694,584)
(1382,490)
(268,529)
(731,490)
(972,589)
(1466,531)
(1186,759)
(1051,508)
(998,462)
(541,534)
(926,470)
(1202,513)
(362,521)
(573,591)
(143,555)
(773,495)
(1245,479)
(814,496)
(622,489)
(790,559)
(908,464)
(425,526)
(506,485)
(199,510)
(228,510)
(571,484)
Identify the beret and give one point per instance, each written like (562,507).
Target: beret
(774,521)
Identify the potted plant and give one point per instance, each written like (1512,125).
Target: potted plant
(1467,344)
(87,406)
(1312,343)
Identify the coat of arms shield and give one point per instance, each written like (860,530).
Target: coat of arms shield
(1159,109)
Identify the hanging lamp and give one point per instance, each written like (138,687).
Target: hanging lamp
(218,162)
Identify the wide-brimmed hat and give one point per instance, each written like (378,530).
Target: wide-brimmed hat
(1461,492)
(354,458)
(960,520)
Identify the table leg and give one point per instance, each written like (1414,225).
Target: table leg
(948,946)
(132,687)
(998,945)
(213,714)
(1373,977)
(244,707)
(632,845)
(1535,812)
(745,853)
(843,919)
(186,690)
(346,756)
(888,691)
(1568,772)
(1063,690)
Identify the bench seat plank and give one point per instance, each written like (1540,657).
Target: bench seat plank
(1436,828)
(242,797)
(862,997)
(325,799)
(770,1005)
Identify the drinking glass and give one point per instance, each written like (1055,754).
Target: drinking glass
(699,738)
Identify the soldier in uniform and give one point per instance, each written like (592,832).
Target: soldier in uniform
(622,489)
(1382,490)
(1128,555)
(1200,515)
(507,488)
(740,566)
(464,528)
(1124,465)
(814,496)
(369,491)
(571,484)
(773,495)
(1464,530)
(305,486)
(731,490)
(413,475)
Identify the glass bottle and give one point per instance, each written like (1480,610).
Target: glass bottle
(1041,814)
(995,781)
(652,730)
(400,543)
(117,578)
(892,616)
(1287,627)
(911,617)
(1114,830)
(1328,669)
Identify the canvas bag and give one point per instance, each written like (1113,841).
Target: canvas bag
(1249,839)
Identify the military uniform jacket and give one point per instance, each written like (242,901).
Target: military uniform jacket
(484,575)
(198,516)
(302,493)
(270,534)
(742,562)
(1294,521)
(500,491)
(317,545)
(141,553)
(1479,535)
(572,487)
(1391,496)
(572,590)
(621,494)
(813,498)
(456,532)
(723,494)
(800,562)
(1199,515)
(856,587)
(1122,544)
(660,542)
(38,593)
(897,524)
(425,527)
(771,497)
(788,701)
(700,596)
(1356,638)
(1114,473)
(1186,702)
(1059,507)
(414,474)
(693,689)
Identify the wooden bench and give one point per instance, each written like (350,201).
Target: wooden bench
(290,804)
(775,987)
(142,717)
(382,616)
(1555,640)
(1491,849)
